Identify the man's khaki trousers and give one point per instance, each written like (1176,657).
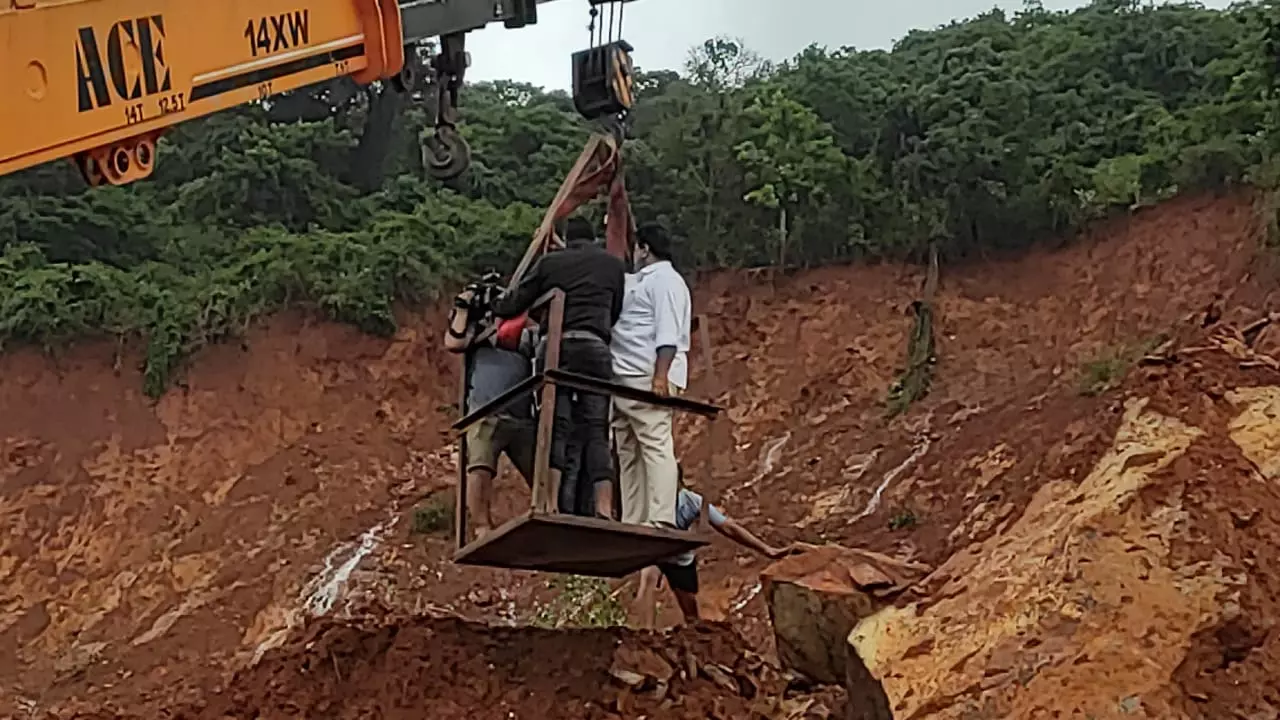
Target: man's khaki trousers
(648,476)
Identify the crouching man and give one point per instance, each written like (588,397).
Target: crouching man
(496,364)
(681,571)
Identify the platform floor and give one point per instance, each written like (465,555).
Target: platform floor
(576,545)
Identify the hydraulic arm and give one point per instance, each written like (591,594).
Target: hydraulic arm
(100,80)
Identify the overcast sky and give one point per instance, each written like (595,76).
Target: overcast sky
(662,31)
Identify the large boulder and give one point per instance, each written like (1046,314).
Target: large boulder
(816,597)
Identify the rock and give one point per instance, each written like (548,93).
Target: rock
(791,709)
(691,665)
(660,692)
(1075,609)
(640,668)
(815,598)
(631,679)
(1244,518)
(865,696)
(722,676)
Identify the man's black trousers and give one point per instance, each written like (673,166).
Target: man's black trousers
(580,441)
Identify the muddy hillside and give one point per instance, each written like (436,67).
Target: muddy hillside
(1139,579)
(210,553)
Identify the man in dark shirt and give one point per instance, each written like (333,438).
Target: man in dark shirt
(593,283)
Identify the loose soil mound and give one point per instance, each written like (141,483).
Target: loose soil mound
(447,669)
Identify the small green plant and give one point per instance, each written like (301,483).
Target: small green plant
(434,516)
(580,602)
(1103,373)
(902,520)
(1108,369)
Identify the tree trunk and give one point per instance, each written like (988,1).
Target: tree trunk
(782,237)
(369,157)
(915,383)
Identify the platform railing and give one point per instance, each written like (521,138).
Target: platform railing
(545,485)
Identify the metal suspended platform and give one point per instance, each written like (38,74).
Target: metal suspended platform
(544,539)
(576,545)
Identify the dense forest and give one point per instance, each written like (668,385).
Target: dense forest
(980,137)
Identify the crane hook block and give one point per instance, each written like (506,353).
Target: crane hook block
(603,81)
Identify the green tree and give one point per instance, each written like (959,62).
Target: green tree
(791,160)
(987,135)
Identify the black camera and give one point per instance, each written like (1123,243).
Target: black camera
(483,294)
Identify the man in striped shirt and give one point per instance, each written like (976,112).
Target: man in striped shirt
(681,571)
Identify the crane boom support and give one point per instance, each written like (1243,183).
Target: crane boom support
(425,19)
(100,80)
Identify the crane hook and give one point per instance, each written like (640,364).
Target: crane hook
(446,154)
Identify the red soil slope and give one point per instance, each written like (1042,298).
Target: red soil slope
(1140,580)
(154,547)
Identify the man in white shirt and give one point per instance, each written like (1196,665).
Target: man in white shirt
(650,347)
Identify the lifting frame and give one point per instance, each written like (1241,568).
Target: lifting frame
(543,538)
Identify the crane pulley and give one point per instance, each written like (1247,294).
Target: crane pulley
(603,75)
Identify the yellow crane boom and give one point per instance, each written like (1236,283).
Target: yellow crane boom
(100,80)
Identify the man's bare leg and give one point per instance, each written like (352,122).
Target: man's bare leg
(647,597)
(480,500)
(688,603)
(604,499)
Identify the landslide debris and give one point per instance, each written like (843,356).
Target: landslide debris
(1147,587)
(450,669)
